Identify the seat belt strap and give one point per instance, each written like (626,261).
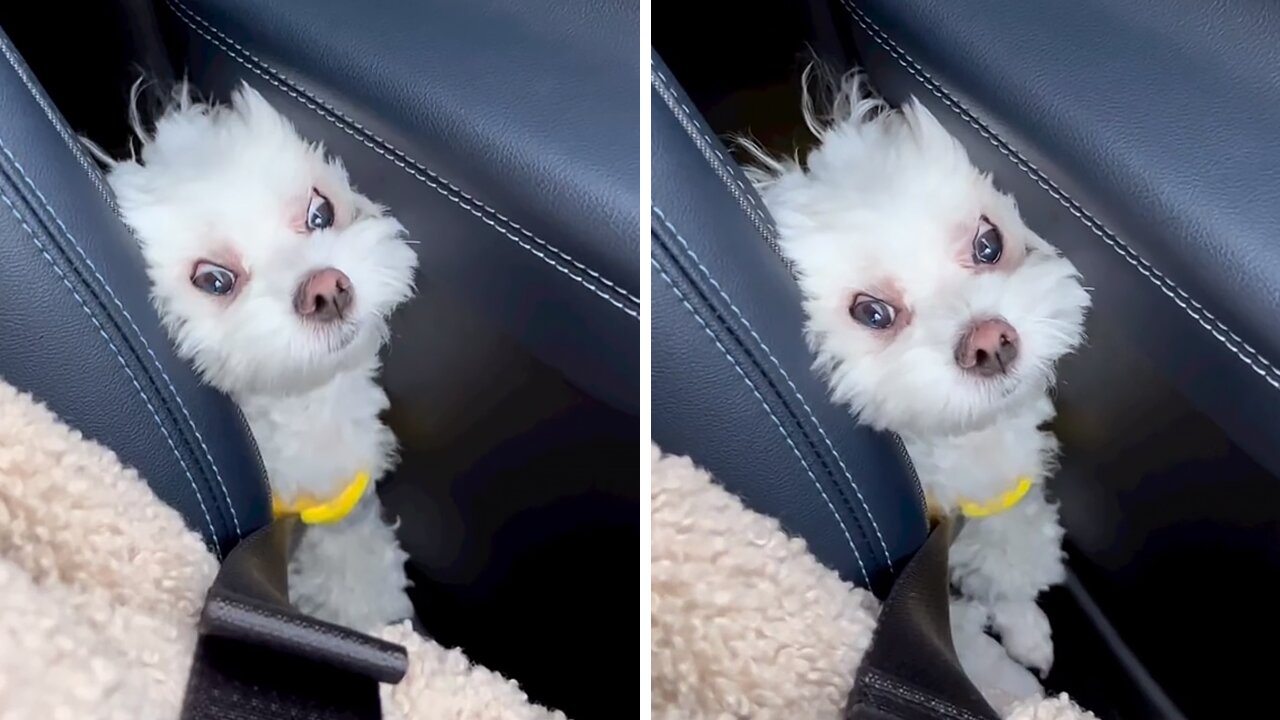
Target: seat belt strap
(258,658)
(911,671)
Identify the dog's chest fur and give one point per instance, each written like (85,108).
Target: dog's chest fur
(315,443)
(981,465)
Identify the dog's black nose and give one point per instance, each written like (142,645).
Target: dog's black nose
(988,348)
(324,296)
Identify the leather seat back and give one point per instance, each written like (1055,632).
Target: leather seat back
(79,333)
(732,385)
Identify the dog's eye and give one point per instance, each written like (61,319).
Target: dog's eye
(319,212)
(213,279)
(872,312)
(988,246)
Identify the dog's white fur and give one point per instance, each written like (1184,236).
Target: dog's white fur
(230,184)
(888,205)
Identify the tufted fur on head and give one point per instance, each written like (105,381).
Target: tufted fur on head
(887,208)
(232,187)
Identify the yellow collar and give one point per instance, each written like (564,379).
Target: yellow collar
(1000,503)
(314,512)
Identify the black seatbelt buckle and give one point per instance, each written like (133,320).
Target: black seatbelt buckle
(259,657)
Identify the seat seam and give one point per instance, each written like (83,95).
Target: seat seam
(402,160)
(755,209)
(777,423)
(813,418)
(59,126)
(1198,312)
(213,540)
(235,520)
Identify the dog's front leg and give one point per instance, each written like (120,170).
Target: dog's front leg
(1004,562)
(1002,680)
(352,572)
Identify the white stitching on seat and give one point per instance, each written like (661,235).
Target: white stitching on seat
(847,475)
(773,417)
(213,539)
(1179,297)
(692,117)
(156,361)
(90,169)
(403,161)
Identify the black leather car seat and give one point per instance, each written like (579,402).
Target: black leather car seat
(78,331)
(732,384)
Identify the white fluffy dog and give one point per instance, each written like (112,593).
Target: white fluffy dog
(936,313)
(276,279)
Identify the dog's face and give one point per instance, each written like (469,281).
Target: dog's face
(932,306)
(269,271)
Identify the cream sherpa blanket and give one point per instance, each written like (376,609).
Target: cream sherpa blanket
(746,623)
(101,585)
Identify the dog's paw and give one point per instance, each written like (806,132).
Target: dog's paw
(968,617)
(1025,633)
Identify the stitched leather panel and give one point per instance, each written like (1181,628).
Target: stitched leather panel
(504,135)
(79,332)
(731,380)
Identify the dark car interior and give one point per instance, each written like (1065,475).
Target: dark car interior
(1140,139)
(513,374)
